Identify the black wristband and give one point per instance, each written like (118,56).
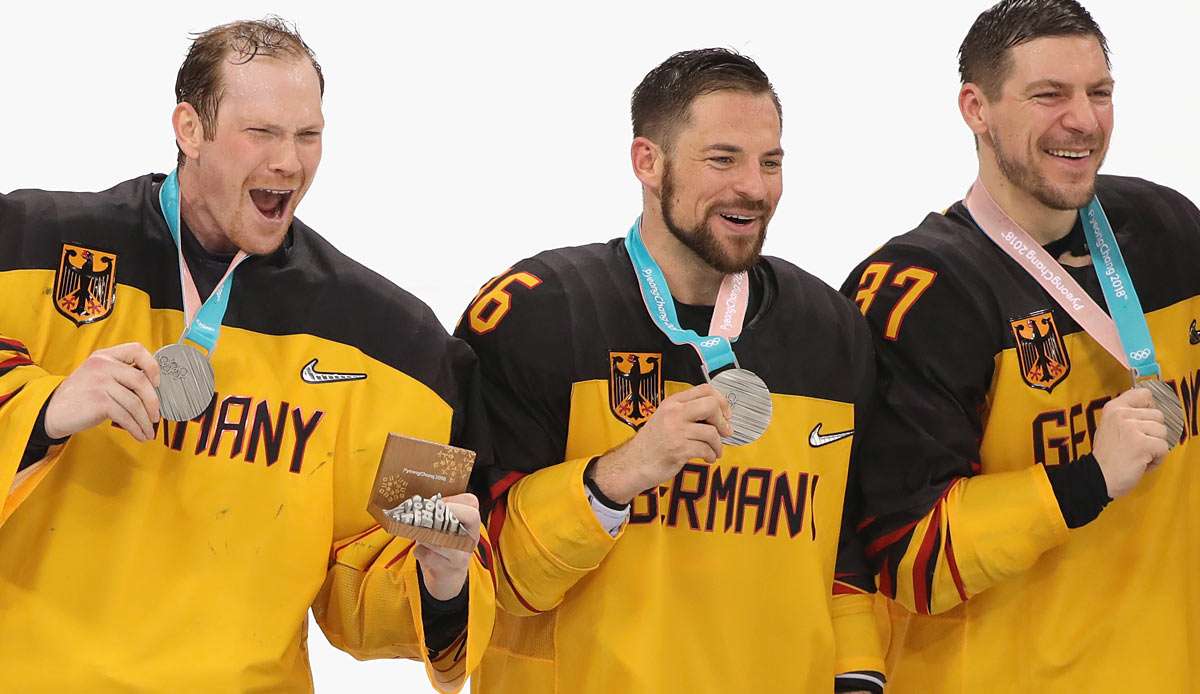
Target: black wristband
(443,620)
(39,441)
(594,488)
(39,437)
(1080,490)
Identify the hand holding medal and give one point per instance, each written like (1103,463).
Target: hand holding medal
(187,382)
(1165,401)
(689,425)
(113,384)
(1131,438)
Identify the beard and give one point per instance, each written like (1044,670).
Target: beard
(1026,177)
(703,241)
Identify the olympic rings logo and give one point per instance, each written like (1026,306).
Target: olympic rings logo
(1140,354)
(712,342)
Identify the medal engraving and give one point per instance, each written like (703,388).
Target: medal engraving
(750,401)
(1166,402)
(186,382)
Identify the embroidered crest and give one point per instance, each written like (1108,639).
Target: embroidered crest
(1040,350)
(85,285)
(635,386)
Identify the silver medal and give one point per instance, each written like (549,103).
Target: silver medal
(186,382)
(750,400)
(1166,402)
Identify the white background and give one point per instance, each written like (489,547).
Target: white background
(460,139)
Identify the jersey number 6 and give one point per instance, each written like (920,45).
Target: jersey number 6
(494,303)
(914,280)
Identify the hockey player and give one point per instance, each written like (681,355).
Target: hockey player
(1020,503)
(657,532)
(141,553)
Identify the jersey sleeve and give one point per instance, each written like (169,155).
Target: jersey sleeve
(370,604)
(936,529)
(24,390)
(25,387)
(544,531)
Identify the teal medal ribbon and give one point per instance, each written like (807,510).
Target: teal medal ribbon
(716,351)
(204,324)
(186,380)
(1124,307)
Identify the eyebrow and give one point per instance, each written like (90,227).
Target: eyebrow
(1055,84)
(734,149)
(276,127)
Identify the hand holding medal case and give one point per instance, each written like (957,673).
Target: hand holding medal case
(406,497)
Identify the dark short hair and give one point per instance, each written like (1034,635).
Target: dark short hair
(984,56)
(661,102)
(199,80)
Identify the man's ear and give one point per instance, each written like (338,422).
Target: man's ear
(649,161)
(189,131)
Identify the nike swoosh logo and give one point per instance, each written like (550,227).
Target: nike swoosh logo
(816,439)
(309,374)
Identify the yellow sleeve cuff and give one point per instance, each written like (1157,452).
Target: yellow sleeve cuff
(1002,523)
(856,634)
(551,537)
(16,424)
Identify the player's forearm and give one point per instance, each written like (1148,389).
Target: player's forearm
(982,531)
(549,538)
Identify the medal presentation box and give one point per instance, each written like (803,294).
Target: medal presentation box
(412,468)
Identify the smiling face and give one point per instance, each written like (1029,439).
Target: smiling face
(1048,129)
(241,188)
(723,177)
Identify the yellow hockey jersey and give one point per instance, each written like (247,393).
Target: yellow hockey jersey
(189,562)
(990,391)
(724,578)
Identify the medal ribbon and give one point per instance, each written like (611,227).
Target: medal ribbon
(729,313)
(1123,332)
(1119,294)
(202,322)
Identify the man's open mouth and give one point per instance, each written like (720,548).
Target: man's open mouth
(271,202)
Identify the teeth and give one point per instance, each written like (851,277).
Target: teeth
(738,217)
(1069,154)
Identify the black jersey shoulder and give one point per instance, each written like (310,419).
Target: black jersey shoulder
(310,287)
(552,299)
(35,224)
